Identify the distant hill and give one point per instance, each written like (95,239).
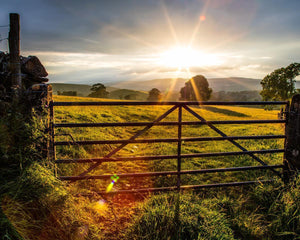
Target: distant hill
(111,89)
(128,94)
(161,84)
(83,90)
(217,84)
(233,84)
(173,86)
(236,96)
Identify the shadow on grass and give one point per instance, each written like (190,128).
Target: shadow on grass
(226,112)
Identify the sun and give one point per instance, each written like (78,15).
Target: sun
(186,57)
(179,57)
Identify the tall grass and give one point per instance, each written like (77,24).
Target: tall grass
(34,203)
(174,216)
(266,211)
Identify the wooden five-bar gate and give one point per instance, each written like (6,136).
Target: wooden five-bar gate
(174,106)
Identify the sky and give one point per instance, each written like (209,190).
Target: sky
(91,41)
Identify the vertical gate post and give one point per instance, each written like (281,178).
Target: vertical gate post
(179,147)
(292,144)
(284,114)
(177,206)
(51,147)
(14,53)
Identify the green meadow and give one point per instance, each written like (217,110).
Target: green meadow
(90,114)
(37,205)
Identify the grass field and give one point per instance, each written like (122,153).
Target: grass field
(123,208)
(150,113)
(36,205)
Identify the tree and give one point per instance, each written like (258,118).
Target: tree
(154,95)
(98,91)
(196,89)
(280,84)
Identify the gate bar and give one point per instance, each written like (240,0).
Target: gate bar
(143,103)
(136,124)
(116,159)
(166,173)
(186,187)
(68,143)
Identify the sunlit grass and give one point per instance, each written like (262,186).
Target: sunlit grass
(94,114)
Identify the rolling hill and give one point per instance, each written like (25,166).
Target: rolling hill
(217,84)
(121,89)
(128,94)
(83,90)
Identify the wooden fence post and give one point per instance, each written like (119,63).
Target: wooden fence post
(292,144)
(14,53)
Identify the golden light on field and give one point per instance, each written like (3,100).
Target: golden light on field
(186,57)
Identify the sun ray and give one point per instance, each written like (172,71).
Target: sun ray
(131,36)
(149,72)
(228,41)
(197,94)
(200,20)
(171,27)
(172,85)
(96,22)
(222,75)
(196,91)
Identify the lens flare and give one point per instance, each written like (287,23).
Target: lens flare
(114,179)
(100,207)
(202,18)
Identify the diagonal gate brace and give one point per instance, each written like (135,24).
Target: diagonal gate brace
(132,138)
(230,140)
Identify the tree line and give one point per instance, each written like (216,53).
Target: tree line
(195,89)
(278,85)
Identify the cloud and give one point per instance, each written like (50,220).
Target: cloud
(253,66)
(266,57)
(121,39)
(212,68)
